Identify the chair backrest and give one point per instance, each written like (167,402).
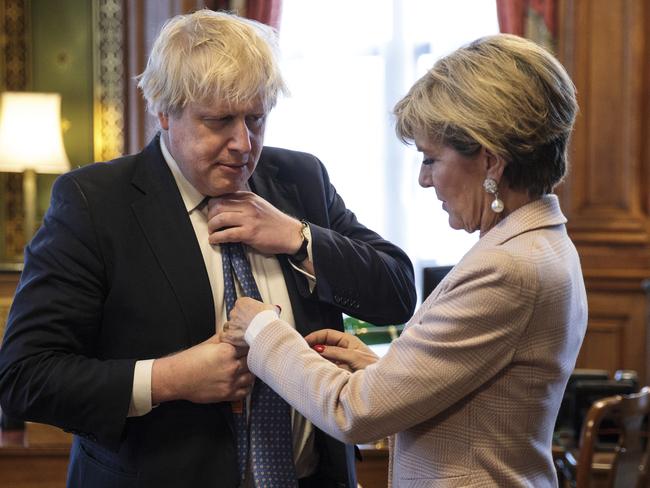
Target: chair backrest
(630,455)
(431,276)
(587,392)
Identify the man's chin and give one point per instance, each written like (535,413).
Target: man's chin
(224,188)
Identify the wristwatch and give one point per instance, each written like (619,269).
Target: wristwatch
(301,254)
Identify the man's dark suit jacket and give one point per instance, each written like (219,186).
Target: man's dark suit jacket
(115,274)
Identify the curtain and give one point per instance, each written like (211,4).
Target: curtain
(533,19)
(265,11)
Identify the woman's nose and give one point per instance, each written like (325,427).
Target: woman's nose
(424,179)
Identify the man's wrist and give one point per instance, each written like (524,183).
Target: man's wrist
(302,253)
(161,380)
(258,323)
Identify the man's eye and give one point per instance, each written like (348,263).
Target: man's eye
(428,161)
(214,121)
(255,119)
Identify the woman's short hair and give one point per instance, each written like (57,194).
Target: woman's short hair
(500,92)
(207,55)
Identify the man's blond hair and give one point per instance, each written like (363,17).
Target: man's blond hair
(210,55)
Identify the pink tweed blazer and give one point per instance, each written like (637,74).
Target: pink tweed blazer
(472,387)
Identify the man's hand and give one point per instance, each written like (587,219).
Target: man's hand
(246,217)
(206,373)
(345,350)
(243,312)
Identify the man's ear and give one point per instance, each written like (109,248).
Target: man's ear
(494,165)
(163,118)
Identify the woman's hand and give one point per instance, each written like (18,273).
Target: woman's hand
(243,312)
(345,350)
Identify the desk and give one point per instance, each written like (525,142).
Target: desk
(34,458)
(372,471)
(38,458)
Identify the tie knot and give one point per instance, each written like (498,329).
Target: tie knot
(202,205)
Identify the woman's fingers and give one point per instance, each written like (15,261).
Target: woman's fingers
(350,359)
(328,337)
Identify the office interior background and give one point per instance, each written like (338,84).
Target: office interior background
(346,64)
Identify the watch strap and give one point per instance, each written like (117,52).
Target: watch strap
(301,254)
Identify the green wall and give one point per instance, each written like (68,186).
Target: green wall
(62,62)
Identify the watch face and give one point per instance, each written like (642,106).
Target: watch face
(301,254)
(303,229)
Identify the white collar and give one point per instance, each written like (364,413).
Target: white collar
(192,198)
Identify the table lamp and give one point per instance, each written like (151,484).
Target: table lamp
(31,143)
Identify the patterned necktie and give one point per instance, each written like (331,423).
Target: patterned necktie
(270,447)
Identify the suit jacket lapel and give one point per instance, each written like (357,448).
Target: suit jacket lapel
(267,182)
(168,230)
(543,212)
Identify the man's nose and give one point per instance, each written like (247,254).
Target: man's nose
(240,139)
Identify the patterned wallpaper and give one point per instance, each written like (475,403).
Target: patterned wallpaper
(40,49)
(108,56)
(5,303)
(14,75)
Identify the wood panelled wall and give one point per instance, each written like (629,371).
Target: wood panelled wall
(605,45)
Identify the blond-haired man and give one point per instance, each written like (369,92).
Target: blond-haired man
(112,334)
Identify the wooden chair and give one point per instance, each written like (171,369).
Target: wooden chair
(630,455)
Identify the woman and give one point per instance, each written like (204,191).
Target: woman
(473,385)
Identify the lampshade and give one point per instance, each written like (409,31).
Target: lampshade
(30,133)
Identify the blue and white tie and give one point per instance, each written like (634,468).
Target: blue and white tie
(269,444)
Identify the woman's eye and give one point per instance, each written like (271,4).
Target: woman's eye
(428,161)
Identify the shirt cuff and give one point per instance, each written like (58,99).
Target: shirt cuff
(141,393)
(258,323)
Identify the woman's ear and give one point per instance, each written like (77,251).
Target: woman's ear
(163,118)
(494,165)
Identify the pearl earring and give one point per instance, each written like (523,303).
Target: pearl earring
(490,186)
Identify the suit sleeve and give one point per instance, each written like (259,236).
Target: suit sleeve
(448,351)
(50,370)
(357,270)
